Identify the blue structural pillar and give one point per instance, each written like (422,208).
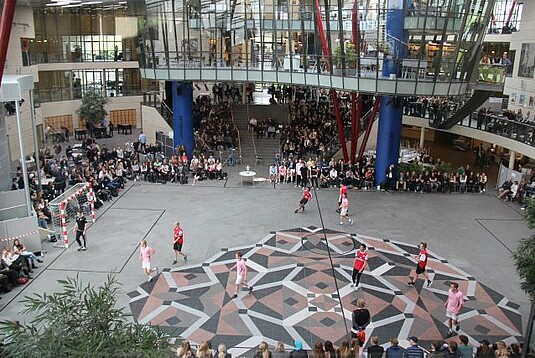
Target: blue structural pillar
(182,93)
(391,107)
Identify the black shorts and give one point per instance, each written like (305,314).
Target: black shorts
(177,247)
(303,201)
(419,269)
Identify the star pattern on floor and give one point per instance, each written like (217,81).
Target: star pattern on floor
(296,295)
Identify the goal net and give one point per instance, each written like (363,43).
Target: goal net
(64,208)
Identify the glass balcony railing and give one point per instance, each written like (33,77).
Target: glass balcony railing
(494,74)
(523,132)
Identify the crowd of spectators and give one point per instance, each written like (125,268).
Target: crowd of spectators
(213,124)
(354,348)
(515,125)
(436,109)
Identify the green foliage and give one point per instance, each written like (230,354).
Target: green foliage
(349,53)
(524,255)
(92,107)
(81,321)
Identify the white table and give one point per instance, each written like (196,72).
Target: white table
(247,174)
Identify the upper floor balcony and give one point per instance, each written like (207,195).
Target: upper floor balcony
(361,46)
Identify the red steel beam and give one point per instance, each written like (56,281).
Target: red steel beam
(369,127)
(323,39)
(510,15)
(339,124)
(6,24)
(356,107)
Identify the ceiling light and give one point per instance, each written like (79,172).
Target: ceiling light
(92,3)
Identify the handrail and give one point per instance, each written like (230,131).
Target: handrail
(237,130)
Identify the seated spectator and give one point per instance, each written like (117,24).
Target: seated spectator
(466,350)
(16,262)
(185,351)
(222,351)
(330,352)
(414,350)
(279,351)
(375,350)
(18,248)
(298,351)
(453,351)
(394,351)
(505,189)
(484,350)
(345,350)
(204,351)
(501,350)
(263,351)
(318,351)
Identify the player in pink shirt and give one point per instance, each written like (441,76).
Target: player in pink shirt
(145,255)
(453,305)
(241,269)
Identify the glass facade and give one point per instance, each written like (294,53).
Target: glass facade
(96,34)
(439,45)
(506,17)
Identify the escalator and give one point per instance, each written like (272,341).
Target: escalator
(477,100)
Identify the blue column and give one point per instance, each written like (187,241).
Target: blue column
(183,115)
(391,108)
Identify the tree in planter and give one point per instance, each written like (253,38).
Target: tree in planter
(524,255)
(349,54)
(81,321)
(92,107)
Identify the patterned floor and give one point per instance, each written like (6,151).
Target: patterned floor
(297,297)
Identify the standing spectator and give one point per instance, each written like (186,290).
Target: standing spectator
(178,241)
(143,142)
(222,351)
(344,207)
(145,255)
(279,351)
(501,351)
(394,351)
(390,178)
(360,320)
(298,351)
(436,351)
(241,270)
(421,265)
(414,350)
(361,256)
(375,351)
(263,351)
(453,305)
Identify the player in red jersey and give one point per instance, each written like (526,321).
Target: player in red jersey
(178,241)
(306,197)
(421,265)
(361,256)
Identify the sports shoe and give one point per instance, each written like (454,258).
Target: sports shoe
(296,211)
(235,296)
(411,283)
(340,223)
(185,259)
(429,282)
(457,327)
(450,334)
(157,270)
(149,279)
(83,248)
(250,289)
(79,249)
(350,221)
(174,262)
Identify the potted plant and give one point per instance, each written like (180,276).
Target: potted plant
(349,56)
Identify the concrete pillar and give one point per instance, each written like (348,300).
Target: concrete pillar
(512,156)
(422,137)
(5,160)
(183,115)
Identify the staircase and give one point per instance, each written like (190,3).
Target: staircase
(258,152)
(477,100)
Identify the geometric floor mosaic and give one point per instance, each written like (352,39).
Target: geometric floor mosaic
(296,295)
